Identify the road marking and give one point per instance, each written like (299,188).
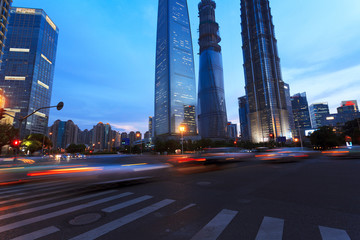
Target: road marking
(187,207)
(216,226)
(24,187)
(35,195)
(38,234)
(271,228)
(333,234)
(126,204)
(106,228)
(54,204)
(59,213)
(22,192)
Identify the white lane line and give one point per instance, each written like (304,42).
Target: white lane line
(216,226)
(31,195)
(27,190)
(271,228)
(38,234)
(106,228)
(333,234)
(54,204)
(26,186)
(185,208)
(59,213)
(126,204)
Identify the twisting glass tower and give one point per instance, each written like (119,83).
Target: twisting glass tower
(268,115)
(175,88)
(212,109)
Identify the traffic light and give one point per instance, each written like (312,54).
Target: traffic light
(271,135)
(15,143)
(2,113)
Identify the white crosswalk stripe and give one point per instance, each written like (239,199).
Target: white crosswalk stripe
(32,195)
(104,229)
(39,188)
(25,187)
(126,204)
(59,213)
(54,204)
(271,228)
(216,226)
(333,234)
(38,234)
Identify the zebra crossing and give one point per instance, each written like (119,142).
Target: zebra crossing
(24,216)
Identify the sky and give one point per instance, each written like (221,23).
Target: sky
(105,66)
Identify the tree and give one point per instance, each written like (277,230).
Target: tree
(325,138)
(35,141)
(7,133)
(352,129)
(76,148)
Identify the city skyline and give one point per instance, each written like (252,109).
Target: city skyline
(310,57)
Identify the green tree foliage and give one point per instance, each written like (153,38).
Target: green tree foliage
(76,148)
(325,138)
(7,133)
(352,129)
(34,142)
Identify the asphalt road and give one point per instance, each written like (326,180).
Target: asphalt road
(311,199)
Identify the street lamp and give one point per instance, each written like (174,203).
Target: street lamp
(182,130)
(138,135)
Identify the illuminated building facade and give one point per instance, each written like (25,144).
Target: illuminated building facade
(4,15)
(300,109)
(63,133)
(175,88)
(318,112)
(290,111)
(348,111)
(27,71)
(102,136)
(268,114)
(212,116)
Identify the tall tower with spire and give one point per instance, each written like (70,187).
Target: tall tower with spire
(211,95)
(268,116)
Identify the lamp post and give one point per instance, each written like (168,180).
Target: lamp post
(182,130)
(138,135)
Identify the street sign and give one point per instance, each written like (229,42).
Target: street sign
(125,141)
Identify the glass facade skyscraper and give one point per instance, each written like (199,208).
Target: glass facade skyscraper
(268,115)
(318,113)
(175,87)
(300,109)
(4,20)
(212,117)
(27,71)
(243,116)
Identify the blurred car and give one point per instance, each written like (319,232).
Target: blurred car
(283,155)
(344,153)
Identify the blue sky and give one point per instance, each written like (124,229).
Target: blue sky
(105,63)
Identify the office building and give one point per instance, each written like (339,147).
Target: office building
(102,137)
(290,111)
(348,111)
(212,118)
(232,132)
(4,15)
(318,112)
(63,133)
(301,114)
(243,116)
(27,71)
(268,115)
(175,88)
(151,126)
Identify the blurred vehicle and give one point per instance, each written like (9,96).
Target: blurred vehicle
(344,153)
(79,156)
(283,155)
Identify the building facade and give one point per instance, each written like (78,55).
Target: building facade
(318,112)
(212,118)
(27,71)
(301,113)
(289,108)
(243,117)
(175,87)
(268,114)
(4,15)
(232,132)
(63,133)
(102,137)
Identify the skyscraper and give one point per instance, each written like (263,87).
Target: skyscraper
(175,88)
(62,134)
(289,108)
(268,115)
(318,113)
(28,67)
(300,109)
(243,116)
(4,16)
(211,105)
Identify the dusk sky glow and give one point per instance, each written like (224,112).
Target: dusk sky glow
(105,66)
